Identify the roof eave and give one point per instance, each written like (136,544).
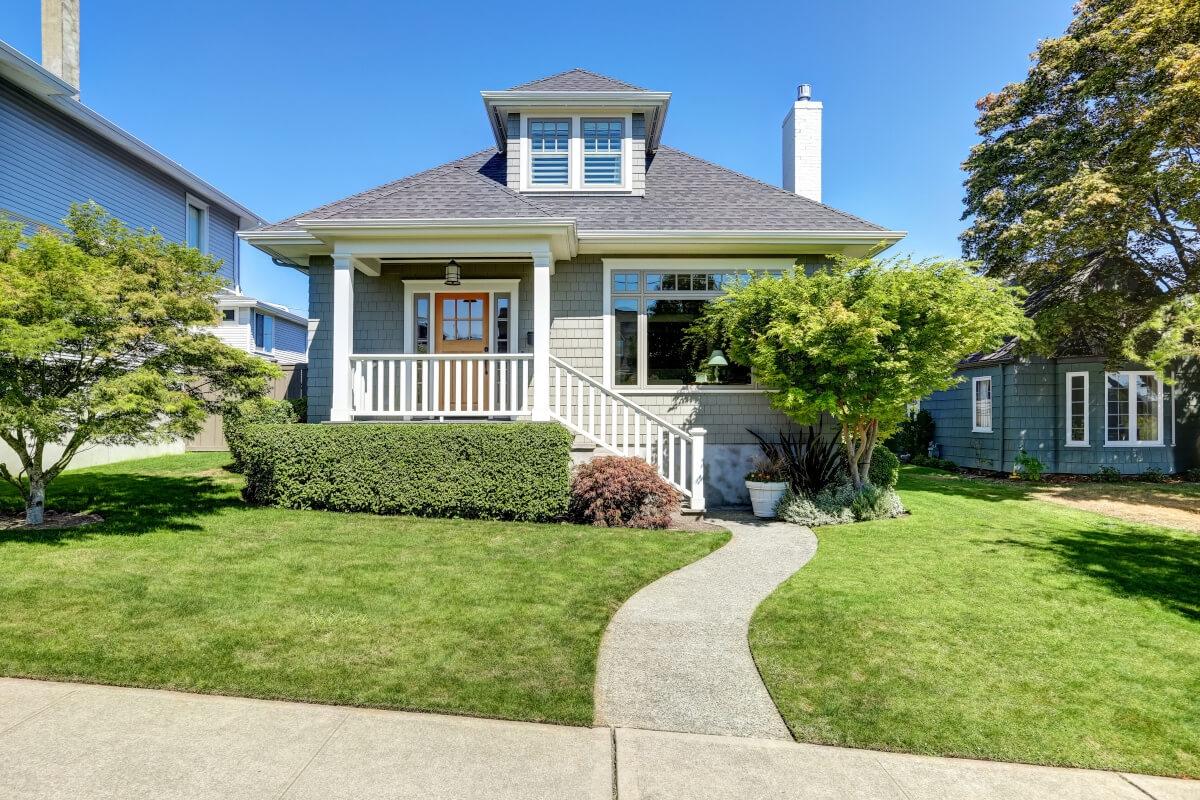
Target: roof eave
(855,243)
(496,101)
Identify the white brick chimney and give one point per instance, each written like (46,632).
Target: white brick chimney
(802,146)
(60,39)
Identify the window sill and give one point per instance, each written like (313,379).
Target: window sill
(1134,444)
(689,389)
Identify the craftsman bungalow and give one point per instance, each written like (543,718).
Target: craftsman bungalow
(552,277)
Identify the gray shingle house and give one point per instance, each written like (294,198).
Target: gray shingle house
(552,276)
(1072,412)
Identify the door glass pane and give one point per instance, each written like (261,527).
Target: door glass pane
(1117,402)
(1147,408)
(422,322)
(502,323)
(625,346)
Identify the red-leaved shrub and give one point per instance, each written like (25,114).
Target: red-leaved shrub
(618,492)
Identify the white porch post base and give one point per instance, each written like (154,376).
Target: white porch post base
(341,408)
(697,498)
(541,337)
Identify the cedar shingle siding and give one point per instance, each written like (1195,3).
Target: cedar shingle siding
(1029,411)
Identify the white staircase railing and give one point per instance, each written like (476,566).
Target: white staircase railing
(617,424)
(419,385)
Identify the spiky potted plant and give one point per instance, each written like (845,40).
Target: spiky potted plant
(767,483)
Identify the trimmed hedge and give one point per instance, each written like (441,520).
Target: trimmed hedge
(238,416)
(510,471)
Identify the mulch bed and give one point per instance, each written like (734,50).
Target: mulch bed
(54,520)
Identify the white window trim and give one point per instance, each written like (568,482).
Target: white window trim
(612,265)
(1131,411)
(192,201)
(575,151)
(492,286)
(975,426)
(254,314)
(1086,441)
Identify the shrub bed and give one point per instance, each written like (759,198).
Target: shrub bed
(511,471)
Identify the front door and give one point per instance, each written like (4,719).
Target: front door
(461,327)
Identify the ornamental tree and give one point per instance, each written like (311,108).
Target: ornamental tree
(862,340)
(1086,186)
(99,344)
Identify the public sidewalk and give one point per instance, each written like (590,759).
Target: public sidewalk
(60,740)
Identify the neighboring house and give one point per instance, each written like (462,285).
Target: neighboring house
(55,151)
(552,277)
(1071,412)
(264,329)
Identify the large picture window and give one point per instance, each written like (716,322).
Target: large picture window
(652,312)
(1133,409)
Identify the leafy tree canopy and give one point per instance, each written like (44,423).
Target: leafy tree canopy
(863,339)
(1086,186)
(100,344)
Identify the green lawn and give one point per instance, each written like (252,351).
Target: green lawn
(992,625)
(185,587)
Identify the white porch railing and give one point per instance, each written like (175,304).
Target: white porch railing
(443,385)
(612,421)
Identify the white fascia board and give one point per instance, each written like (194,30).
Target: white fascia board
(660,241)
(498,102)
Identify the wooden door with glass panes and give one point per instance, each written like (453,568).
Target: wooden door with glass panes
(461,327)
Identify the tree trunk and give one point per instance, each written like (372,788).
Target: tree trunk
(852,459)
(35,506)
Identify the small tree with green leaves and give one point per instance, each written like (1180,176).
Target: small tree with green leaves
(862,340)
(100,344)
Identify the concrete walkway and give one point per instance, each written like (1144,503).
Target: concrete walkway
(676,656)
(67,741)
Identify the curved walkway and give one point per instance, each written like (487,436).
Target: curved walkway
(676,656)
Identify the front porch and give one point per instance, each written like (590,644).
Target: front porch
(479,347)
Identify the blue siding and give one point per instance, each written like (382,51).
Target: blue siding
(1030,412)
(289,336)
(48,162)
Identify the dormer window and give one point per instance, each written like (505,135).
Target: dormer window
(602,147)
(574,152)
(549,150)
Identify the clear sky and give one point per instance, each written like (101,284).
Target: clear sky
(289,105)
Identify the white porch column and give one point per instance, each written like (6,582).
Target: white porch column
(343,337)
(697,498)
(542,264)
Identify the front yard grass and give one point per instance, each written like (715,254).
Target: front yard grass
(185,587)
(993,625)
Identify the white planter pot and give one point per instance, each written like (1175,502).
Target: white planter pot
(764,497)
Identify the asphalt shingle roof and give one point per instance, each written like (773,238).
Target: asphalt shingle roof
(683,193)
(577,80)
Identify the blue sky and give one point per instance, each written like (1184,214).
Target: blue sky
(288,105)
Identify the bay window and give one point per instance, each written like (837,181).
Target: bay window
(1133,409)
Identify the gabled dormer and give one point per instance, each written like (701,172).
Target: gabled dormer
(577,132)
